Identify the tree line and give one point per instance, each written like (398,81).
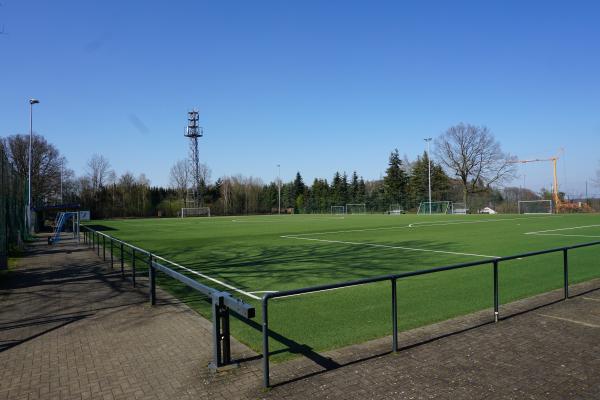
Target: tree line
(468,166)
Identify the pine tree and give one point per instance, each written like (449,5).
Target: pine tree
(395,181)
(354,188)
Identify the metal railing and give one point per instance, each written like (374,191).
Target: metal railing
(393,278)
(222,303)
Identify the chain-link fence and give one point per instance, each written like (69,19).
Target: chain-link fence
(13,204)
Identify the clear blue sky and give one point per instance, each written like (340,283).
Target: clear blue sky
(315,86)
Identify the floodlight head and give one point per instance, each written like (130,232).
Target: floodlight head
(33,101)
(427,139)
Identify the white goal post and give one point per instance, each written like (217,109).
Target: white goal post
(195,212)
(459,208)
(395,209)
(338,210)
(435,207)
(356,208)
(535,206)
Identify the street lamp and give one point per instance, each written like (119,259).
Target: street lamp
(28,214)
(428,140)
(278,189)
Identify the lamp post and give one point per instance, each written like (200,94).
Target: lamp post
(278,188)
(428,140)
(28,213)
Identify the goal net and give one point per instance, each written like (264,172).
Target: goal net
(535,206)
(459,208)
(338,210)
(435,207)
(356,208)
(395,209)
(195,212)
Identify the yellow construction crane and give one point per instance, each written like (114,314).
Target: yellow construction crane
(555,197)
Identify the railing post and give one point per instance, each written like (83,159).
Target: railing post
(133,266)
(217,303)
(112,260)
(122,262)
(265,341)
(566,272)
(104,248)
(98,244)
(226,336)
(496,290)
(394,317)
(152,280)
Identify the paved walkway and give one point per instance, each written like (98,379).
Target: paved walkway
(70,328)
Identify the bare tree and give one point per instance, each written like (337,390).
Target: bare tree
(475,157)
(596,181)
(46,164)
(180,176)
(98,170)
(205,173)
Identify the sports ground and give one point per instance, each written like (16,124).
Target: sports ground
(249,256)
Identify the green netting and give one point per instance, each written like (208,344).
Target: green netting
(13,206)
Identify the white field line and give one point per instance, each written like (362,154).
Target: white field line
(388,246)
(562,229)
(561,234)
(191,271)
(416,225)
(481,221)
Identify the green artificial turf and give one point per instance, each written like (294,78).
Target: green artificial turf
(274,253)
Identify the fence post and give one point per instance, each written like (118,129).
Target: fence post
(226,336)
(122,262)
(566,272)
(152,279)
(265,344)
(133,266)
(496,294)
(98,244)
(394,317)
(112,261)
(104,248)
(217,304)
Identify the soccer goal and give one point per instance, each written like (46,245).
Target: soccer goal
(338,210)
(435,207)
(395,209)
(535,206)
(459,208)
(195,212)
(356,208)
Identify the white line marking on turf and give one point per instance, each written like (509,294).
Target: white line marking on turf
(481,221)
(561,234)
(563,229)
(416,225)
(388,246)
(571,320)
(191,271)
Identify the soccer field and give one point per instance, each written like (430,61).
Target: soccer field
(249,256)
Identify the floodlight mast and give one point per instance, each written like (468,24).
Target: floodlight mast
(428,140)
(28,213)
(193,132)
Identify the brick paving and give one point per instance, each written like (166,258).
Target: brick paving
(71,328)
